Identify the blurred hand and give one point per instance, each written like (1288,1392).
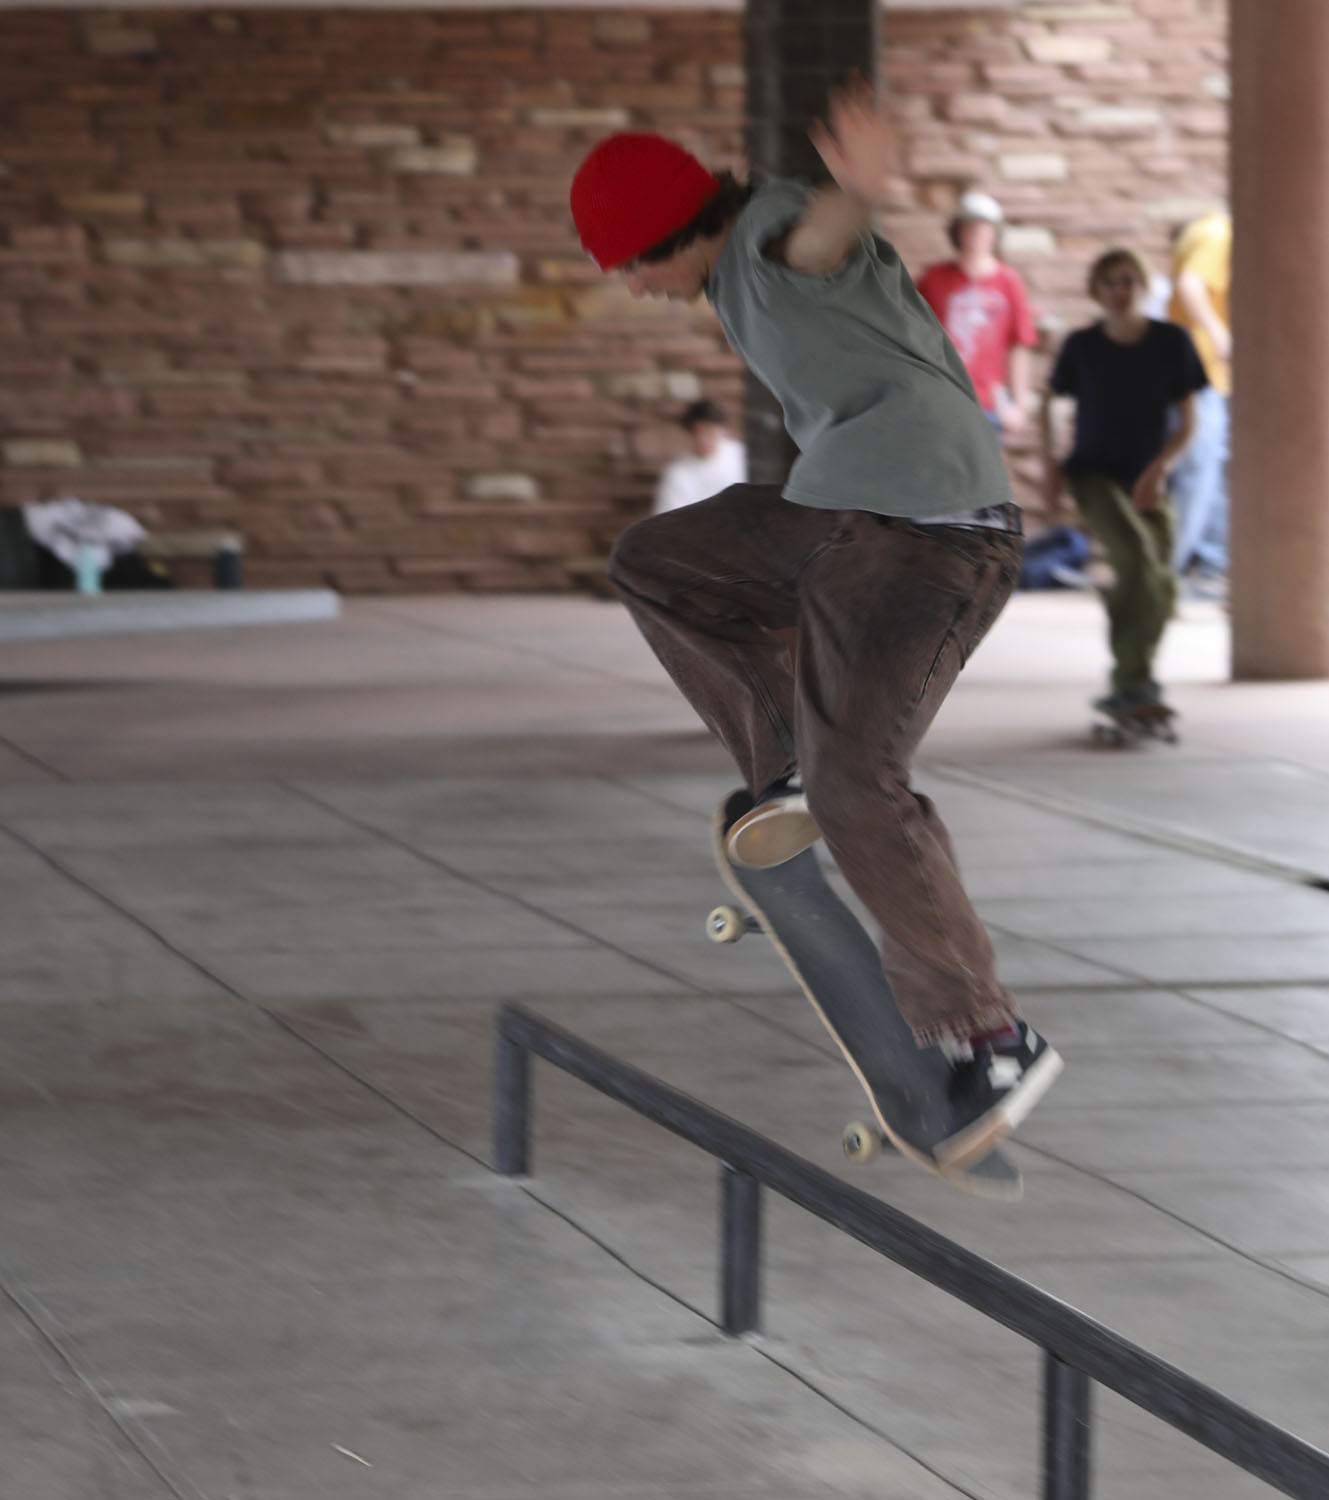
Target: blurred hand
(1150,488)
(856,144)
(1013,419)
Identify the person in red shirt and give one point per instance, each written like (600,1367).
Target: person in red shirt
(982,305)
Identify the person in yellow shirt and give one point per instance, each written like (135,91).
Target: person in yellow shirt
(1201,275)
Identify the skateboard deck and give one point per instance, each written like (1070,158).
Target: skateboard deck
(837,966)
(1130,726)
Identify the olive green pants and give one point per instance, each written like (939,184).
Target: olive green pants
(1139,548)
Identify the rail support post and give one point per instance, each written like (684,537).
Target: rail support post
(740,1251)
(512,1106)
(1065,1430)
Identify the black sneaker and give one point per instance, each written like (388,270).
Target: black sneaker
(777,828)
(992,1092)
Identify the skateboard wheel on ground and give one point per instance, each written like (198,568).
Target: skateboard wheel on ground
(861,1142)
(726,924)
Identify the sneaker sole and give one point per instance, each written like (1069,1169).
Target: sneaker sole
(762,840)
(989,1130)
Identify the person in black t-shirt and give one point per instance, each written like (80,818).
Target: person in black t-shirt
(1134,381)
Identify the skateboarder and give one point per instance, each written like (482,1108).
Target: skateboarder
(1134,381)
(889,552)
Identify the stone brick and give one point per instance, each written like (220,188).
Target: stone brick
(453,393)
(518,487)
(214,215)
(531,306)
(261,117)
(421,268)
(155,372)
(1033,166)
(1130,71)
(1078,11)
(109,205)
(1200,121)
(156,254)
(60,239)
(1019,79)
(571,118)
(1177,210)
(1066,47)
(104,38)
(270,470)
(655,385)
(1027,122)
(42,453)
(372,134)
(957,165)
(621,30)
(1116,119)
(577,271)
(337,354)
(1024,240)
(549,388)
(59,407)
(976,109)
(314,236)
(545,542)
(1162,165)
(454,156)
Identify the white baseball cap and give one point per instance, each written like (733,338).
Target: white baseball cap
(975,205)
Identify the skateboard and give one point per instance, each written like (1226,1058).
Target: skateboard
(837,966)
(1131,726)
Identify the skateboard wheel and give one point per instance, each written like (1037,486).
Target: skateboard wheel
(726,924)
(861,1142)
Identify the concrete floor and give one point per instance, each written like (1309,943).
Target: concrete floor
(262,890)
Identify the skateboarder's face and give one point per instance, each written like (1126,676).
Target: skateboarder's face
(681,278)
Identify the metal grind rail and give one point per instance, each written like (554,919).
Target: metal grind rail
(1076,1349)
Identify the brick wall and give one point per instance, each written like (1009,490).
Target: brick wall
(310,275)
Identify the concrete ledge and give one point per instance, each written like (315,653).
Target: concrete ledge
(50,616)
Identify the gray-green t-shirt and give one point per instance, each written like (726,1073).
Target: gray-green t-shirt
(874,393)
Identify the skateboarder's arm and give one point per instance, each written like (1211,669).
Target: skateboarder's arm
(823,238)
(859,151)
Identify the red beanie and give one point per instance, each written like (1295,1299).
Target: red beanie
(633,190)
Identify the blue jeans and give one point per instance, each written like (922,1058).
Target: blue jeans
(1199,488)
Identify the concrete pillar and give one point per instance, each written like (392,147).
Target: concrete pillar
(796,51)
(1280,333)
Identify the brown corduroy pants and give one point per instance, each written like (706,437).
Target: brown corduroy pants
(885,614)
